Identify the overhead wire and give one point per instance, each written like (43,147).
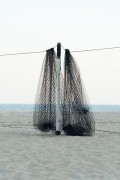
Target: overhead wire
(76,51)
(99,49)
(21,53)
(24,53)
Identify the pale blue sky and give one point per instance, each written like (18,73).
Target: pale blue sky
(34,25)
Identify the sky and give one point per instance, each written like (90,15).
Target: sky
(35,25)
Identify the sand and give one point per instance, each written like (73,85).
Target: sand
(25,154)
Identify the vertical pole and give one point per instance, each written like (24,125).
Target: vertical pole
(58,69)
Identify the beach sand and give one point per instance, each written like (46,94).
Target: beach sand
(25,154)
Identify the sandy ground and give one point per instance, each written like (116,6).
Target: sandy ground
(25,154)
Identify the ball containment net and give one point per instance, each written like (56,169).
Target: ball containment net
(76,115)
(44,114)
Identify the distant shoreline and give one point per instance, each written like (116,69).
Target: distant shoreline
(29,107)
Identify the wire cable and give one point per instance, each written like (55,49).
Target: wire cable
(37,52)
(24,53)
(21,53)
(99,49)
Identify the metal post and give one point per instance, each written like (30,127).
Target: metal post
(58,69)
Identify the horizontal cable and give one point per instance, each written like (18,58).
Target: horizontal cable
(37,52)
(99,49)
(21,53)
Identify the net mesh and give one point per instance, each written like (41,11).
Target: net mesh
(76,115)
(44,114)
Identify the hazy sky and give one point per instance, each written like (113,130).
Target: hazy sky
(34,25)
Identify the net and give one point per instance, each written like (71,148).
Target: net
(77,116)
(44,114)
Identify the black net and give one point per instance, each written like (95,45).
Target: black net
(44,114)
(77,117)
